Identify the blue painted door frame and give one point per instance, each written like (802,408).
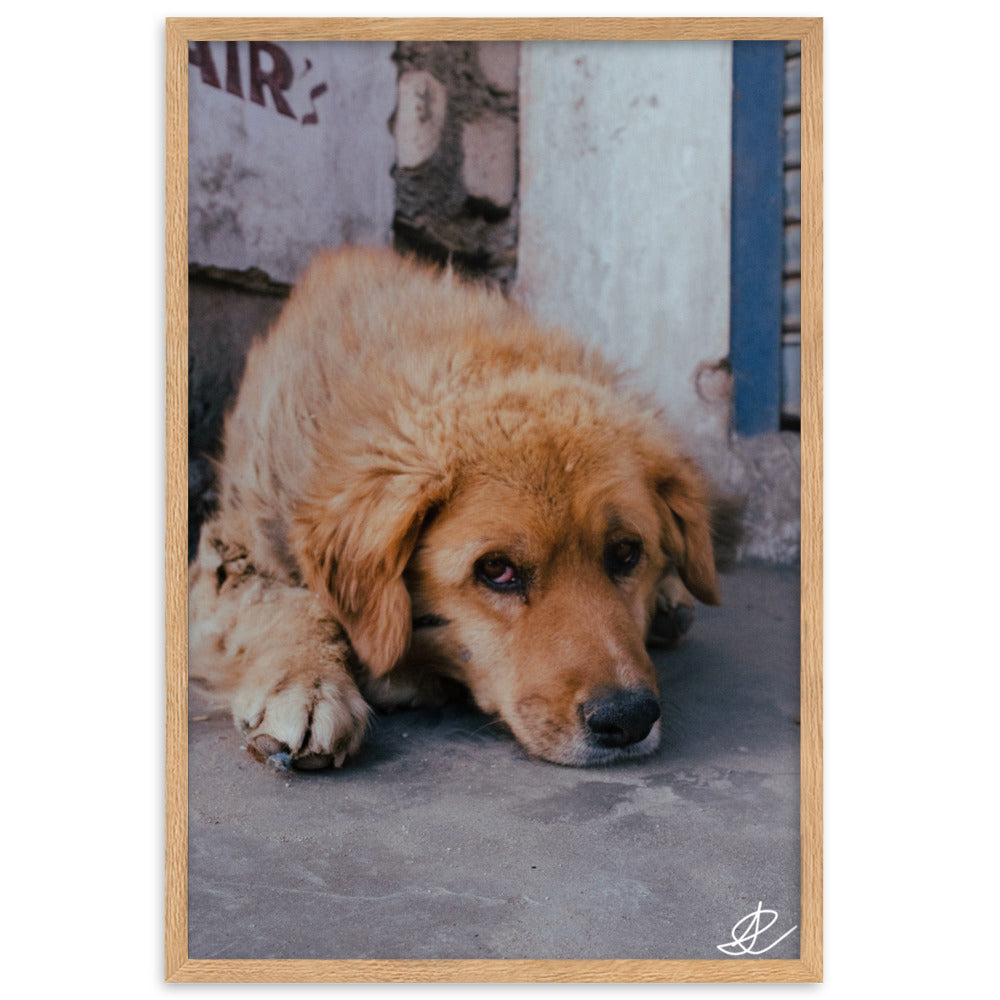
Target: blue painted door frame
(756,249)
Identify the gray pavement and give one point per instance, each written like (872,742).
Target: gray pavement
(444,841)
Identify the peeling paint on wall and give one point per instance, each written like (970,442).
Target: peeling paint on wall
(289,150)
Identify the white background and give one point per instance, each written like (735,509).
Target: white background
(911,334)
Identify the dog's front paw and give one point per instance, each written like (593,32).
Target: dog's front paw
(301,723)
(674,613)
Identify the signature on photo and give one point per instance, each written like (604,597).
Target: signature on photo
(748,929)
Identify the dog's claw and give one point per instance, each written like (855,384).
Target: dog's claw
(264,747)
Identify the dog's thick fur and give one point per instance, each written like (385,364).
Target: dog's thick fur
(420,487)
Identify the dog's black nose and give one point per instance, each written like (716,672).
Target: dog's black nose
(622,717)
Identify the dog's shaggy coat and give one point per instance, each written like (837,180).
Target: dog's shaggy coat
(421,487)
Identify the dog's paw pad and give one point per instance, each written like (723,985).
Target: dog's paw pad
(283,760)
(319,761)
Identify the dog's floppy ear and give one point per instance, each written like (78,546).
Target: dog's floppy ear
(352,546)
(686,534)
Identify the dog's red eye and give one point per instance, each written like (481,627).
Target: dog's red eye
(623,556)
(499,573)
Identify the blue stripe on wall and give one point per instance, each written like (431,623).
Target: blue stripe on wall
(755,277)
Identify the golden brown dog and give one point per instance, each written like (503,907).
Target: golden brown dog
(421,487)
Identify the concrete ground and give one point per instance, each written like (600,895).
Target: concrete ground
(444,841)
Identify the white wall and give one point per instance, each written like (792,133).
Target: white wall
(625,199)
(266,188)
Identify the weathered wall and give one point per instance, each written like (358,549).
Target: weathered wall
(290,150)
(624,209)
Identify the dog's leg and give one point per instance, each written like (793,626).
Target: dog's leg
(673,614)
(278,657)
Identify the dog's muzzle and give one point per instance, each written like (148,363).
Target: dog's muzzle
(620,718)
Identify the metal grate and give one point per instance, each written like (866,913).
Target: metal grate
(791,271)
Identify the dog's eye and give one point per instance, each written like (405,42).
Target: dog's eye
(499,573)
(623,556)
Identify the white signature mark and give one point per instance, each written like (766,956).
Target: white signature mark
(745,937)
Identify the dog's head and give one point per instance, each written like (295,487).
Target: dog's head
(524,563)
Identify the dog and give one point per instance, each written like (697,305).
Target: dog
(421,491)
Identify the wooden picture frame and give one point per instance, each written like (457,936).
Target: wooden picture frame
(809,967)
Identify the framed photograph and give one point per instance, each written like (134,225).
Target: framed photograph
(494,541)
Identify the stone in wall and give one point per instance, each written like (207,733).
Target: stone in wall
(455,126)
